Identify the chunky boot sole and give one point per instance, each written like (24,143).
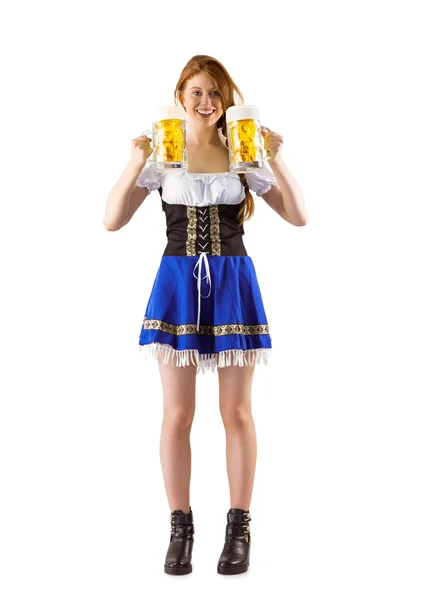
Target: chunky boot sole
(178,570)
(232,570)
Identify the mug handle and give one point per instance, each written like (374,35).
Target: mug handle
(267,156)
(149,133)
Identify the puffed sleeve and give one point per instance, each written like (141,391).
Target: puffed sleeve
(149,177)
(261,181)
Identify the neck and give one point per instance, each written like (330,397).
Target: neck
(203,136)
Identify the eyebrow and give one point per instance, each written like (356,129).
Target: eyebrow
(198,88)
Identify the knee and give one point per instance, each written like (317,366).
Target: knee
(178,420)
(236,418)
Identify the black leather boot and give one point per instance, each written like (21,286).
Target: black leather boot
(179,554)
(235,555)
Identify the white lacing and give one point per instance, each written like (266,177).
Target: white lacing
(202,258)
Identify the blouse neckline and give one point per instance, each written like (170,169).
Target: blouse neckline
(199,175)
(205,177)
(204,173)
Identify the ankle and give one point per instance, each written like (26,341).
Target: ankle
(186,510)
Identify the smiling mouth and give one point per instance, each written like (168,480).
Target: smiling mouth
(206,114)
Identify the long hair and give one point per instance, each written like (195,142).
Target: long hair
(202,63)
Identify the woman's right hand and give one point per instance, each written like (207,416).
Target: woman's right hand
(140,150)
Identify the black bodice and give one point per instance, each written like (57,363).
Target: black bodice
(213,229)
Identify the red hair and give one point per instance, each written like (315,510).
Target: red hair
(202,63)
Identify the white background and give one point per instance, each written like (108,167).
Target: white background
(343,495)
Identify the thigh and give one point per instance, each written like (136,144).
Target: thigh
(179,388)
(235,385)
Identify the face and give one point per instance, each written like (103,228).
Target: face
(201,94)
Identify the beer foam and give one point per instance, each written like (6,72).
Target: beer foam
(243,111)
(168,111)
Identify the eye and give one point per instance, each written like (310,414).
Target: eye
(198,92)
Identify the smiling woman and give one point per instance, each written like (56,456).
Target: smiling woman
(205,310)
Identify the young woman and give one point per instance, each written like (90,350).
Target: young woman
(205,310)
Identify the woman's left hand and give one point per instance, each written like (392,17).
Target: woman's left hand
(272,143)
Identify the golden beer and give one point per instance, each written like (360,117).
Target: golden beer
(245,142)
(168,136)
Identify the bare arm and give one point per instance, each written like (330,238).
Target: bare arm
(118,203)
(287,198)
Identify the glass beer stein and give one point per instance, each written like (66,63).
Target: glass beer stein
(168,138)
(245,142)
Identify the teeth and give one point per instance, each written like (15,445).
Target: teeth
(205,112)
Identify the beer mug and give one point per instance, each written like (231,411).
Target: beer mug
(168,135)
(245,142)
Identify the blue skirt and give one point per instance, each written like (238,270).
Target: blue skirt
(206,310)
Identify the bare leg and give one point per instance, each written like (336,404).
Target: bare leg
(235,385)
(178,411)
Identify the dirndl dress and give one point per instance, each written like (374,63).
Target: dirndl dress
(205,307)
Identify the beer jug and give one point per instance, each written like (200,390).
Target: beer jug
(168,138)
(245,142)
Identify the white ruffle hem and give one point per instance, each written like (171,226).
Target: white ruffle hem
(207,362)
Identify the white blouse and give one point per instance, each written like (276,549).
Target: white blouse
(203,189)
